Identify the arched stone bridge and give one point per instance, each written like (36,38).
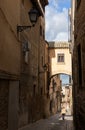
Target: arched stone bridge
(60,58)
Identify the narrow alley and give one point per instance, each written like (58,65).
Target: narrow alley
(53,123)
(42,64)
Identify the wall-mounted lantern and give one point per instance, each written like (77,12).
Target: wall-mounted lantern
(45,67)
(33,16)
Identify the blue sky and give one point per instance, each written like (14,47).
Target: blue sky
(64,78)
(56,19)
(63,3)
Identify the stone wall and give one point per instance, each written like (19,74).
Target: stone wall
(4,92)
(10,61)
(55,94)
(19,68)
(79,66)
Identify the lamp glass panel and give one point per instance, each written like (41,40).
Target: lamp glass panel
(33,14)
(33,18)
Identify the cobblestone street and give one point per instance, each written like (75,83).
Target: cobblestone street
(52,123)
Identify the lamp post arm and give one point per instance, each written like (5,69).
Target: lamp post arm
(22,28)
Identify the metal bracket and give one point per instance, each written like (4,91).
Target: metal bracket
(22,28)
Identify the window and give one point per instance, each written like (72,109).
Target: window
(34,89)
(43,34)
(40,30)
(79,65)
(78,3)
(60,57)
(42,60)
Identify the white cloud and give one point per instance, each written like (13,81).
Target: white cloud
(54,3)
(63,36)
(56,22)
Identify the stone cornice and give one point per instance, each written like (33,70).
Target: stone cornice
(58,44)
(9,76)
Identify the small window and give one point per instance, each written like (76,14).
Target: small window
(42,60)
(40,30)
(34,89)
(43,34)
(79,65)
(60,58)
(78,3)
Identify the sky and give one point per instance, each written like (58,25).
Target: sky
(64,78)
(56,20)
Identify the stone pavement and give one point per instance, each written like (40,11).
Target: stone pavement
(53,123)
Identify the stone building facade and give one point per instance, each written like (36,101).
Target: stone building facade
(79,66)
(20,100)
(10,58)
(67,99)
(55,94)
(59,63)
